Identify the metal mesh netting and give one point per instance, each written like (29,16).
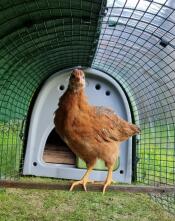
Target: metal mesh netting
(130,49)
(136,46)
(37,39)
(133,41)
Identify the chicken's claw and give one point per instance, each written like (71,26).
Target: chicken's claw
(105,186)
(108,179)
(81,182)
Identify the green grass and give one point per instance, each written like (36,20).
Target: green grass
(49,205)
(10,149)
(157,156)
(157,165)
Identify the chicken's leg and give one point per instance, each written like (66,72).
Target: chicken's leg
(109,178)
(84,179)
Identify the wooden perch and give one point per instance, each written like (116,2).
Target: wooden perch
(90,187)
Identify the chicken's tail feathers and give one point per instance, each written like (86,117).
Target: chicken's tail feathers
(138,129)
(135,129)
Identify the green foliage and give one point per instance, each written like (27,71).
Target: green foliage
(157,156)
(10,149)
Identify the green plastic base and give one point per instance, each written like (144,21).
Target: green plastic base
(100,165)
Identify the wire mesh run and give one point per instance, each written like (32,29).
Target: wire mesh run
(38,38)
(137,47)
(131,40)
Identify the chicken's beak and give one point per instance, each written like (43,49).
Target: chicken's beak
(81,80)
(77,79)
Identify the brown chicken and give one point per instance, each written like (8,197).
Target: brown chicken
(91,132)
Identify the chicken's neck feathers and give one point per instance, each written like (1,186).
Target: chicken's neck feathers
(73,99)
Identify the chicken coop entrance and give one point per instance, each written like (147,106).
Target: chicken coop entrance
(47,155)
(56,151)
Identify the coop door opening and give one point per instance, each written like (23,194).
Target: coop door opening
(56,151)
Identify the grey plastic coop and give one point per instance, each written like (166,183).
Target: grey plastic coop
(42,157)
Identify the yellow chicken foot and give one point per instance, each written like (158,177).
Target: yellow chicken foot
(84,180)
(108,179)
